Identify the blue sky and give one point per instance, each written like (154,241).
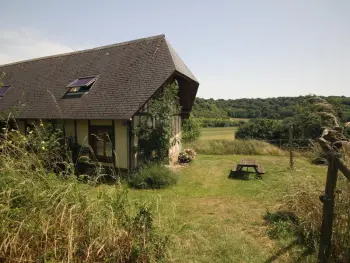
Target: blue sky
(235,48)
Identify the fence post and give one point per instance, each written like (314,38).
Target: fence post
(291,146)
(325,247)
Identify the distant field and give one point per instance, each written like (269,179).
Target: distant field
(239,119)
(217,133)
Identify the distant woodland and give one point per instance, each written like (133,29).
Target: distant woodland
(270,108)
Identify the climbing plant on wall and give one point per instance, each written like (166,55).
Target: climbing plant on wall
(155,129)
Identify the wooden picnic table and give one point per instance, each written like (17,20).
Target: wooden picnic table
(259,169)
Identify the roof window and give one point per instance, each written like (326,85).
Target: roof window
(4,89)
(79,86)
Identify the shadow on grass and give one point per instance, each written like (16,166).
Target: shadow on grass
(284,225)
(242,175)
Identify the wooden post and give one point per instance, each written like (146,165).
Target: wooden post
(324,252)
(291,146)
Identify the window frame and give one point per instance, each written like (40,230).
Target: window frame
(107,130)
(7,87)
(80,90)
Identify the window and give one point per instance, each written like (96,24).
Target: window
(4,89)
(101,142)
(80,86)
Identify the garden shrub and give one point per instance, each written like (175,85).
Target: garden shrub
(152,176)
(187,156)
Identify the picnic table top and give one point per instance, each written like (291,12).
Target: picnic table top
(248,162)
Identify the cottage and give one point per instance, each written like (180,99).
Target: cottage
(100,91)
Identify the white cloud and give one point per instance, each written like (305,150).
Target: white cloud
(25,43)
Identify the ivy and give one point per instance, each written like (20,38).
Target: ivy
(155,130)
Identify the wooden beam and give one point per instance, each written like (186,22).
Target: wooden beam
(76,131)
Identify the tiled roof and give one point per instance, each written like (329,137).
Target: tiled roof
(128,75)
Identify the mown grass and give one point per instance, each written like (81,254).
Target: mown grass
(215,133)
(211,218)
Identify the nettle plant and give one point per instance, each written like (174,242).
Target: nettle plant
(155,130)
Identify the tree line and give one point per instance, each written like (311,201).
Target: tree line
(270,108)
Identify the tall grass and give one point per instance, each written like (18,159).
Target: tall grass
(47,217)
(304,206)
(243,147)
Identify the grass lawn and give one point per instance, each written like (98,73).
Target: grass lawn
(218,133)
(211,218)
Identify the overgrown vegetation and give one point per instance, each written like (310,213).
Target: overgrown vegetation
(155,131)
(242,147)
(300,216)
(304,200)
(52,217)
(152,176)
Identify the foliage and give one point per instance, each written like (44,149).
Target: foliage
(243,147)
(347,131)
(261,129)
(270,108)
(191,130)
(307,124)
(49,218)
(155,141)
(187,156)
(152,176)
(43,144)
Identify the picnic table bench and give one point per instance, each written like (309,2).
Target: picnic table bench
(259,169)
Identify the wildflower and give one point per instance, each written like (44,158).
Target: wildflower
(41,124)
(43,147)
(42,142)
(30,132)
(10,142)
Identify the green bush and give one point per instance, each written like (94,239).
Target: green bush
(153,176)
(261,129)
(191,130)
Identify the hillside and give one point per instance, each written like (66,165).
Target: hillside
(272,108)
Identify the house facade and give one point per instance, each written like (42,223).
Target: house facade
(98,96)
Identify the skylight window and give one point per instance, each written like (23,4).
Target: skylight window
(82,82)
(80,86)
(4,89)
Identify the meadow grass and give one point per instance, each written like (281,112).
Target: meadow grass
(241,147)
(215,133)
(211,218)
